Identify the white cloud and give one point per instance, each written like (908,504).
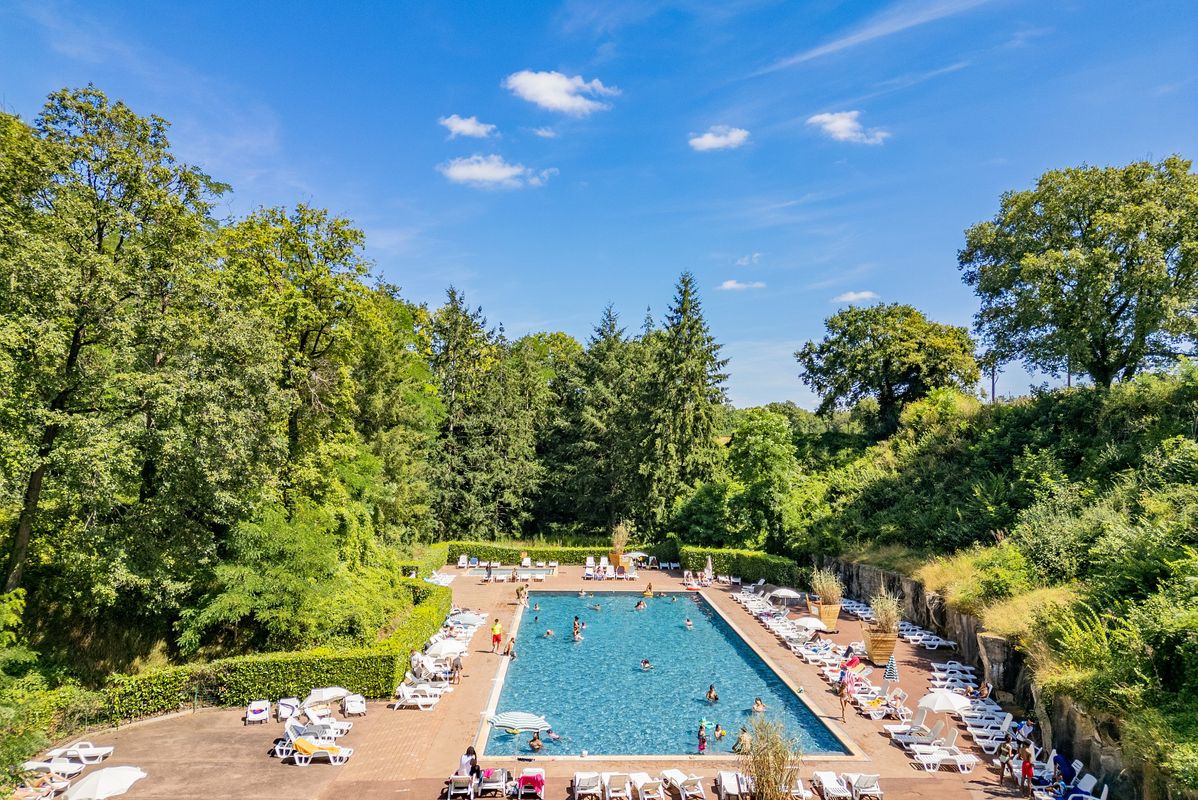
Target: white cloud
(899,17)
(558,92)
(748,260)
(492,172)
(732,285)
(466,126)
(854,297)
(719,137)
(545,133)
(843,126)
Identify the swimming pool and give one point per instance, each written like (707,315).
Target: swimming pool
(524,573)
(599,700)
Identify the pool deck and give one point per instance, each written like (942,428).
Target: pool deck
(409,753)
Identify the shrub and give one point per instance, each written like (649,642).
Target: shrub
(510,553)
(427,561)
(750,565)
(160,691)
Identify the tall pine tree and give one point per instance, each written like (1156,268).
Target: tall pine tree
(680,404)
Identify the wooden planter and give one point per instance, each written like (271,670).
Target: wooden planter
(827,613)
(615,558)
(879,647)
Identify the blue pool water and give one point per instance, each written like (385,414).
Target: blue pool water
(598,698)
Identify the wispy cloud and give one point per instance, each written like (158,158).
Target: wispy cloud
(558,92)
(899,17)
(492,172)
(545,133)
(748,260)
(466,126)
(1025,36)
(733,285)
(854,297)
(843,126)
(719,137)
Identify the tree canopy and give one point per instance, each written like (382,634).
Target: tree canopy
(1093,271)
(892,353)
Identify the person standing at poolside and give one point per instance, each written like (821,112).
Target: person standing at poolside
(496,636)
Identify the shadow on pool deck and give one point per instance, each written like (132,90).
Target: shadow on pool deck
(408,753)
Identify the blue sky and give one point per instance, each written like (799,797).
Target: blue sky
(792,153)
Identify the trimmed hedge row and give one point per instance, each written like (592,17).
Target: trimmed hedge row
(510,553)
(160,691)
(750,565)
(371,671)
(435,556)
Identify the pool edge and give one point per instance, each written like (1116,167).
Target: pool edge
(481,736)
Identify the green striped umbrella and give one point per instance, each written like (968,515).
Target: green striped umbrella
(891,673)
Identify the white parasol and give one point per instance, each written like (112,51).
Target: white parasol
(327,694)
(107,782)
(446,648)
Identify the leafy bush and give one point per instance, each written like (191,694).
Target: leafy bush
(160,691)
(510,553)
(430,559)
(750,565)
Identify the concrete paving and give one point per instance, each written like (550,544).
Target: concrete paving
(409,753)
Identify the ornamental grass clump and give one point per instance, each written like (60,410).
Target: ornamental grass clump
(827,585)
(887,612)
(620,535)
(772,762)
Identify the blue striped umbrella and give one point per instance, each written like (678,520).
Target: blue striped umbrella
(891,673)
(519,721)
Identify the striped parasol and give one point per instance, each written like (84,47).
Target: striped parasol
(891,673)
(519,721)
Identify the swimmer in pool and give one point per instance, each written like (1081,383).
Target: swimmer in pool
(536,606)
(689,625)
(645,664)
(758,706)
(640,605)
(712,697)
(549,633)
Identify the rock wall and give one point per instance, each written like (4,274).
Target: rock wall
(1065,726)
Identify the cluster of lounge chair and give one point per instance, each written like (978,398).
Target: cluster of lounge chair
(53,774)
(908,631)
(528,785)
(310,731)
(533,571)
(603,570)
(729,785)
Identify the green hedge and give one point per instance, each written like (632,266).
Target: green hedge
(160,691)
(509,554)
(371,671)
(750,565)
(433,558)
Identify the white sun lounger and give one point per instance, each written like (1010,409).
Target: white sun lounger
(864,786)
(460,786)
(964,762)
(647,788)
(687,786)
(306,750)
(830,786)
(86,752)
(60,766)
(408,697)
(730,784)
(616,786)
(586,784)
(257,711)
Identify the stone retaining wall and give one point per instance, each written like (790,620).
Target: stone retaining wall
(1065,726)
